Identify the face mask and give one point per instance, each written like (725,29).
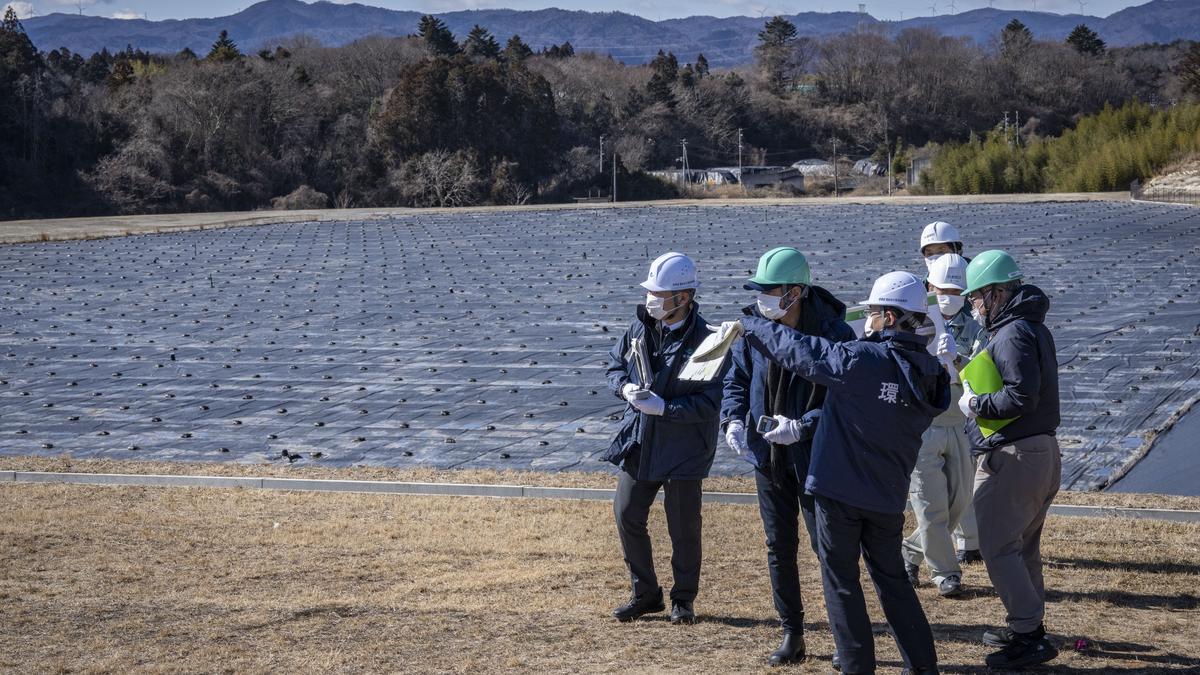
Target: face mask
(977,316)
(873,325)
(930,259)
(657,307)
(950,305)
(768,306)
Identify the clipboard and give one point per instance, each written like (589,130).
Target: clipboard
(983,377)
(706,361)
(641,362)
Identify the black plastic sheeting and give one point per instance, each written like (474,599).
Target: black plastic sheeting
(478,340)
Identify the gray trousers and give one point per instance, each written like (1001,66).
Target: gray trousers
(631,507)
(1014,487)
(940,491)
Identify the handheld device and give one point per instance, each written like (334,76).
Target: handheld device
(766,423)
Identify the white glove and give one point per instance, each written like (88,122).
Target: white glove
(628,391)
(946,349)
(728,328)
(651,404)
(786,433)
(735,437)
(964,403)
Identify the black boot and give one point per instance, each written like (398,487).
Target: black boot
(682,612)
(790,651)
(646,603)
(1025,650)
(1001,637)
(966,556)
(914,574)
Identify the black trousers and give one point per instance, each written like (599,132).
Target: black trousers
(781,507)
(632,509)
(843,531)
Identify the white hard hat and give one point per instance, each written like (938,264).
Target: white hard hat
(671,272)
(939,232)
(899,289)
(949,271)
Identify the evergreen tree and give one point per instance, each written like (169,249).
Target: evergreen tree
(516,50)
(701,67)
(1188,70)
(776,45)
(436,36)
(1015,39)
(480,44)
(224,49)
(563,51)
(1086,41)
(121,75)
(18,56)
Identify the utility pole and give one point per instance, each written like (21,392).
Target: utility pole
(1017,126)
(686,170)
(888,143)
(740,181)
(1006,137)
(614,165)
(601,154)
(836,191)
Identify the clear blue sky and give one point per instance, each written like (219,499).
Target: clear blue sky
(180,9)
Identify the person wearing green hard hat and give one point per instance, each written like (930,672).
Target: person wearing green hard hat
(756,388)
(1020,467)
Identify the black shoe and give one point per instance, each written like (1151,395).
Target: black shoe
(1001,637)
(950,586)
(646,603)
(682,612)
(1025,650)
(914,574)
(791,651)
(968,556)
(836,661)
(997,637)
(931,670)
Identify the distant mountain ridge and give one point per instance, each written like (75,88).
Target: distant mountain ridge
(632,39)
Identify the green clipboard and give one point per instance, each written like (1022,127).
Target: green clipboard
(984,378)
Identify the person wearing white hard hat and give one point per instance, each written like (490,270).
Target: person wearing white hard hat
(667,439)
(944,478)
(882,393)
(939,238)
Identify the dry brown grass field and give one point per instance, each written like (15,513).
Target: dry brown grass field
(124,579)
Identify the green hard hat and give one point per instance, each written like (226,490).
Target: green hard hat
(991,267)
(783,265)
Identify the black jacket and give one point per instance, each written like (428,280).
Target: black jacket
(681,443)
(1024,353)
(882,393)
(746,383)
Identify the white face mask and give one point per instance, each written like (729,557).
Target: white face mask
(930,259)
(869,328)
(657,307)
(769,306)
(950,305)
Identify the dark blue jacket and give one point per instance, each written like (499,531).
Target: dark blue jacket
(681,443)
(745,396)
(1024,353)
(882,394)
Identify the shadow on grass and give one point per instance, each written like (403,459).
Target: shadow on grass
(1179,601)
(1132,566)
